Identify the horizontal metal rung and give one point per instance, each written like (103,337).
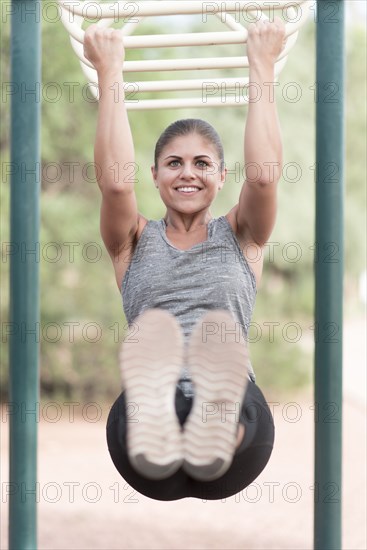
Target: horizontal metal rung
(182,85)
(129,10)
(185,103)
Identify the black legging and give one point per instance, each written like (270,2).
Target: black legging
(249,460)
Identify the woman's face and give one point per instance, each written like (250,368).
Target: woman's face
(188,175)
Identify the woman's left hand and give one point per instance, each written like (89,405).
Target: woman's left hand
(265,42)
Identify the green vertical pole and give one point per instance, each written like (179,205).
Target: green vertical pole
(24,271)
(329,274)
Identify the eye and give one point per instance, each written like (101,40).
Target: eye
(202,164)
(174,163)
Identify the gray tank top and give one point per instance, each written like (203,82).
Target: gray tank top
(210,275)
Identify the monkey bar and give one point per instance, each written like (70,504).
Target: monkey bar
(230,13)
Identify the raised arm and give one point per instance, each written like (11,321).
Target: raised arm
(114,148)
(256,211)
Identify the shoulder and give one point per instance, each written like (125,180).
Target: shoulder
(122,260)
(250,249)
(142,222)
(243,238)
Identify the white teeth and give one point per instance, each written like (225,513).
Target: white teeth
(187,189)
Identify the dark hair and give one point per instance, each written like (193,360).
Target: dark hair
(189,126)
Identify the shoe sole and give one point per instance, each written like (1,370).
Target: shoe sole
(219,375)
(151,363)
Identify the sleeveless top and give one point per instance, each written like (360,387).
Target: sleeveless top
(213,274)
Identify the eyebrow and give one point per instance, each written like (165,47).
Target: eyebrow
(195,158)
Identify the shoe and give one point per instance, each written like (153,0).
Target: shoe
(151,361)
(218,367)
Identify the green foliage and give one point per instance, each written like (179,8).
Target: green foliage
(81,309)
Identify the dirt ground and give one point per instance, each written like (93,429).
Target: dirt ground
(85,505)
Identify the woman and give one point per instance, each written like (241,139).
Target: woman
(191,421)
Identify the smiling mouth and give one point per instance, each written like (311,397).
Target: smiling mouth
(188,189)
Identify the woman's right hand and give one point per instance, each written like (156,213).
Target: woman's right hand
(104,48)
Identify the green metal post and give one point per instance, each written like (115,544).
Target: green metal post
(329,274)
(24,272)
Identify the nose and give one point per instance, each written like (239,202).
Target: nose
(187,171)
